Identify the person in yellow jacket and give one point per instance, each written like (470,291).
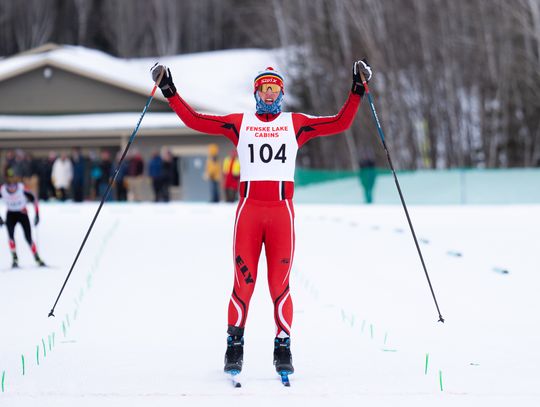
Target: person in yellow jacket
(213,172)
(231,172)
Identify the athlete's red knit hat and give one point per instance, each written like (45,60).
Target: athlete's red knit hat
(269,75)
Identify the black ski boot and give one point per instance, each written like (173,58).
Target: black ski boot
(282,356)
(234,357)
(15,261)
(40,262)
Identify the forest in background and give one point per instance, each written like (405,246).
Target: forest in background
(456,82)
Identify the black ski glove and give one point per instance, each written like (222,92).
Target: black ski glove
(360,66)
(36,219)
(166,83)
(1,222)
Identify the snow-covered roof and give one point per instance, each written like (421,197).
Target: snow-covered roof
(89,122)
(217,81)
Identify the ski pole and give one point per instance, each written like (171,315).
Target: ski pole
(381,135)
(36,234)
(108,190)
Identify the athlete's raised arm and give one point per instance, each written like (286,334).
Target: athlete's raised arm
(307,127)
(227,125)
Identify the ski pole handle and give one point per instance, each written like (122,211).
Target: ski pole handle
(158,80)
(363,80)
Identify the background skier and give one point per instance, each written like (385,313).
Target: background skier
(16,197)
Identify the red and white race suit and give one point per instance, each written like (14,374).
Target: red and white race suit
(267,145)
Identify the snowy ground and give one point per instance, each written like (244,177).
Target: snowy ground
(142,320)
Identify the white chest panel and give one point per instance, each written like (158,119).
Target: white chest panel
(267,150)
(15,201)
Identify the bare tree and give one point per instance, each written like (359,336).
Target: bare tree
(166,28)
(456,81)
(125,26)
(7,17)
(83,9)
(33,22)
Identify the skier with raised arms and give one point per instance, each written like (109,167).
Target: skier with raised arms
(267,142)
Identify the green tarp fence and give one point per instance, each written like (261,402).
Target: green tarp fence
(423,187)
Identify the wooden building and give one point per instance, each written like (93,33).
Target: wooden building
(54,98)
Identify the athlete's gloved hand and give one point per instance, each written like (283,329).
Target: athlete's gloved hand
(360,66)
(1,222)
(36,219)
(166,83)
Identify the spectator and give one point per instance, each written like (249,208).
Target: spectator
(79,172)
(167,174)
(231,171)
(135,177)
(95,174)
(155,170)
(44,171)
(121,190)
(367,175)
(62,175)
(53,156)
(136,165)
(41,164)
(10,161)
(32,182)
(213,172)
(22,166)
(105,167)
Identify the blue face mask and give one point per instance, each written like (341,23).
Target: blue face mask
(274,108)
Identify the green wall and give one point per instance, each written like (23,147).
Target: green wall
(429,187)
